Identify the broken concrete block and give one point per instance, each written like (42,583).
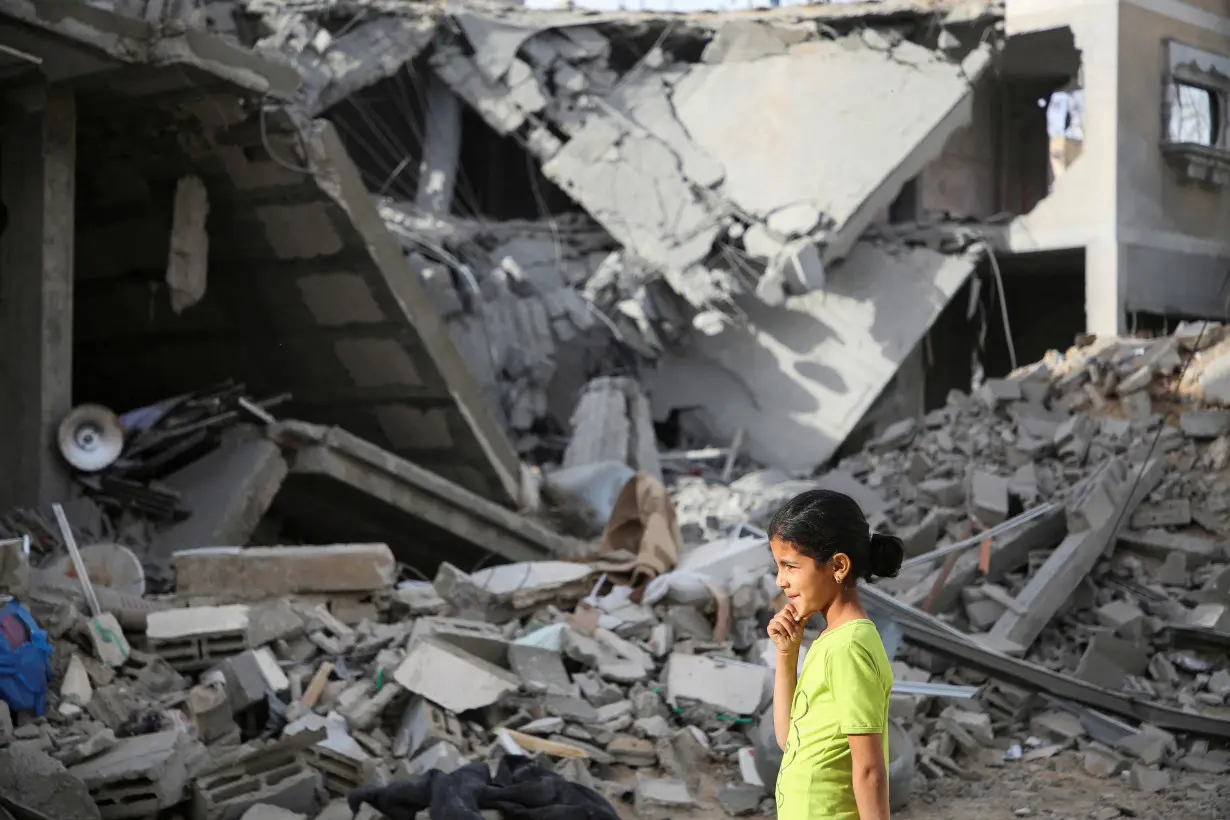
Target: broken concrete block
(733,686)
(997,392)
(269,572)
(210,710)
(1060,726)
(1108,661)
(1127,619)
(655,799)
(140,776)
(1205,424)
(896,435)
(740,799)
(444,757)
(198,637)
(1173,571)
(1176,512)
(452,677)
(275,777)
(1210,616)
(541,670)
(1150,745)
(244,678)
(423,724)
(341,760)
(989,498)
(976,724)
(483,640)
(34,782)
(1149,779)
(941,492)
(612,422)
(1100,761)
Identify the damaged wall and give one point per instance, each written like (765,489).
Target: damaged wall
(714,196)
(800,377)
(1167,221)
(305,292)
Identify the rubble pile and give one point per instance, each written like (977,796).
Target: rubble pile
(1104,469)
(534,307)
(291,676)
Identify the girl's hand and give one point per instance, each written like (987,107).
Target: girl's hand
(786,630)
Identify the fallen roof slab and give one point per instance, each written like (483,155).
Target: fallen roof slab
(837,125)
(778,140)
(798,379)
(339,483)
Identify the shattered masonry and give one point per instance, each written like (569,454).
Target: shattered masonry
(324,595)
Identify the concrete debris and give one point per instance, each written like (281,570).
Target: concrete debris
(341,676)
(387,591)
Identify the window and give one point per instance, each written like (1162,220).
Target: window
(1193,114)
(1194,138)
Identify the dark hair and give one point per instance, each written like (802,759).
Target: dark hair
(822,523)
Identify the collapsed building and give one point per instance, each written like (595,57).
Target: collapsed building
(441,248)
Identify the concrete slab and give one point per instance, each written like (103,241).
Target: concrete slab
(267,572)
(824,357)
(1096,515)
(453,678)
(733,686)
(229,491)
(882,114)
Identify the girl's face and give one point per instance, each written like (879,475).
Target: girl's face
(810,586)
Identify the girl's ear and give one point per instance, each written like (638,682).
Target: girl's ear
(841,565)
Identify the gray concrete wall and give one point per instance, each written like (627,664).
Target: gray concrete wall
(1174,252)
(1153,241)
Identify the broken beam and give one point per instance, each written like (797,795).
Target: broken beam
(332,452)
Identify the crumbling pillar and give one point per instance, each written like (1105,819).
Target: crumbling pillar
(38,163)
(441,148)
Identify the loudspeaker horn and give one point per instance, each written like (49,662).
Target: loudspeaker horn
(91,438)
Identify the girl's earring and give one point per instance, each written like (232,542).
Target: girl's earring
(838,578)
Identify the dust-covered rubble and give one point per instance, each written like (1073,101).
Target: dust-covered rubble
(344,675)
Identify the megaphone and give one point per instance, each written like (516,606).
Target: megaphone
(90,438)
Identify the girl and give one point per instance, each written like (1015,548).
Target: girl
(832,722)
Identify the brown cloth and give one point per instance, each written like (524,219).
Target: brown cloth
(643,524)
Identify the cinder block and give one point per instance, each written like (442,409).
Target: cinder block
(482,640)
(139,776)
(196,638)
(285,781)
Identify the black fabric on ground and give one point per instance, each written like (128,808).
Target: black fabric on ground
(522,789)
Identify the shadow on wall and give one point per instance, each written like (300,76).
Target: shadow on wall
(799,378)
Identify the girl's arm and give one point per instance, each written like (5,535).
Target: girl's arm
(869,775)
(784,681)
